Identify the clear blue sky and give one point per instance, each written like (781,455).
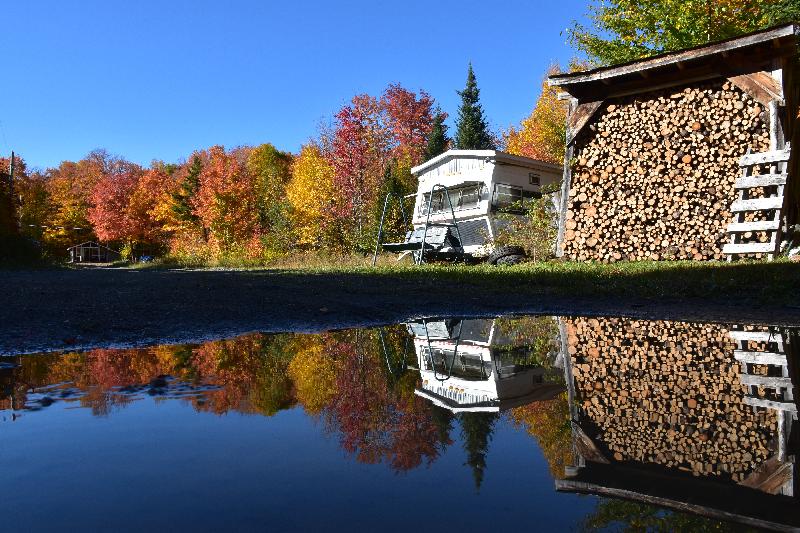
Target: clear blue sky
(158,79)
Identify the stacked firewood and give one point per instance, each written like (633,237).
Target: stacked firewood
(652,177)
(667,393)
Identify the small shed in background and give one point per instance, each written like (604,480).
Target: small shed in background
(655,165)
(92,252)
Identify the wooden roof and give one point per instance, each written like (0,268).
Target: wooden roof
(91,244)
(744,54)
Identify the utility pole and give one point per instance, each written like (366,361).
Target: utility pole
(11,178)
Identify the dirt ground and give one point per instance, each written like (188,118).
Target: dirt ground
(74,309)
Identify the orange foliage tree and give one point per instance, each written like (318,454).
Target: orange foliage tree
(541,135)
(70,187)
(110,197)
(227,205)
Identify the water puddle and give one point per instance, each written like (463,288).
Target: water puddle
(557,422)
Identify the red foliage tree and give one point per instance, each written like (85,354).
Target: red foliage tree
(410,118)
(360,148)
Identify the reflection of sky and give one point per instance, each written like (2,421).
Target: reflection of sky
(166,465)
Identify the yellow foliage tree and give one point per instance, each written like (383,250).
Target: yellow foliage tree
(311,195)
(542,135)
(313,373)
(549,423)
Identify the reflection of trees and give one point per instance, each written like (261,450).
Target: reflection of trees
(476,431)
(251,371)
(549,422)
(342,376)
(622,515)
(313,371)
(375,413)
(532,337)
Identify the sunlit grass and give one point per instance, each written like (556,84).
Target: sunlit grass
(758,281)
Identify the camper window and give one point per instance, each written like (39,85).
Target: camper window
(511,199)
(462,198)
(469,198)
(506,196)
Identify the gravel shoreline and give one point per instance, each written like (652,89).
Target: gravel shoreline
(46,310)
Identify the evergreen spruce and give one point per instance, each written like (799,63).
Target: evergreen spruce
(437,138)
(182,206)
(472,131)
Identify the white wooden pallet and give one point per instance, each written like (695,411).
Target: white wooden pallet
(773,205)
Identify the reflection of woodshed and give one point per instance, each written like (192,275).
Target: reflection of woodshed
(655,146)
(667,393)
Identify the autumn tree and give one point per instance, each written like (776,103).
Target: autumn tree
(410,118)
(8,194)
(227,205)
(360,150)
(270,169)
(311,198)
(548,421)
(626,30)
(542,135)
(110,214)
(370,135)
(472,129)
(149,208)
(438,142)
(183,197)
(313,372)
(375,411)
(70,188)
(34,204)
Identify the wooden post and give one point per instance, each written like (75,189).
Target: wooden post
(565,185)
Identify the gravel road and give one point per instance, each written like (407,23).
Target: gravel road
(71,309)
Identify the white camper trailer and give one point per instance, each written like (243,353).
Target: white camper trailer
(460,193)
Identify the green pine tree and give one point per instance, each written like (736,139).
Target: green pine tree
(472,131)
(437,138)
(182,205)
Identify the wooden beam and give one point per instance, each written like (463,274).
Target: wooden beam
(770,404)
(761,180)
(772,382)
(770,476)
(760,158)
(759,85)
(760,358)
(586,447)
(580,117)
(758,336)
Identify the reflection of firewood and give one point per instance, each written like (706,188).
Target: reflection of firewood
(586,447)
(667,393)
(653,177)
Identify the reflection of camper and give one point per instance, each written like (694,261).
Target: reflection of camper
(460,193)
(472,365)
